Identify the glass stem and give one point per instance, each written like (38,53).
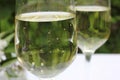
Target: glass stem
(88,55)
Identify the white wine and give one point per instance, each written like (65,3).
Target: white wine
(45,41)
(93,26)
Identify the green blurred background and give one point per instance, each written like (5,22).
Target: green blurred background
(7,14)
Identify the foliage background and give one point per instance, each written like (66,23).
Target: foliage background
(7,14)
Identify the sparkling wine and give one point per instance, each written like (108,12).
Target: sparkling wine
(93,26)
(45,41)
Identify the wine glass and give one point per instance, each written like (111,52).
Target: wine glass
(93,25)
(45,36)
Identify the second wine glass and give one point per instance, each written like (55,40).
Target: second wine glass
(93,25)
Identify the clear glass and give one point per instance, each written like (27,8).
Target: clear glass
(93,24)
(45,36)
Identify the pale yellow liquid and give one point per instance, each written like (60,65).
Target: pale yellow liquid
(45,41)
(93,26)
